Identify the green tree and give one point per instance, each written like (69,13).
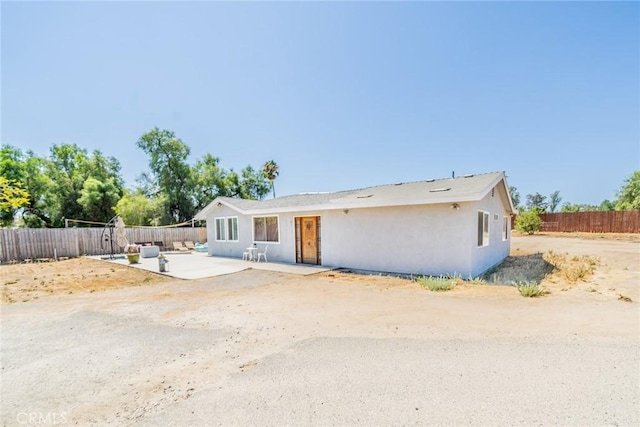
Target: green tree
(232,186)
(209,181)
(629,193)
(575,207)
(554,201)
(170,170)
(38,183)
(138,209)
(254,184)
(13,171)
(536,202)
(607,205)
(70,167)
(271,171)
(528,222)
(11,197)
(249,184)
(27,171)
(515,196)
(98,198)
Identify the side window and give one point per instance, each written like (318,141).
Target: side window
(483,228)
(227,229)
(221,236)
(232,227)
(505,228)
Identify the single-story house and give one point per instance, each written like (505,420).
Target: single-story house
(434,227)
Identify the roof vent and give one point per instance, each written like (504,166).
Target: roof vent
(399,183)
(430,180)
(364,196)
(438,190)
(468,176)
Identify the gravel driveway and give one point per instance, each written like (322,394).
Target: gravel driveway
(268,348)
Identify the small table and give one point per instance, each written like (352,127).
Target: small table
(252,252)
(149,251)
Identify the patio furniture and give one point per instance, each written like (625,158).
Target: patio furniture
(178,246)
(149,251)
(189,245)
(263,255)
(250,253)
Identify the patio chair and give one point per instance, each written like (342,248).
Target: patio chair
(189,245)
(177,246)
(263,255)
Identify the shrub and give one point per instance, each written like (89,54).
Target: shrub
(530,289)
(528,222)
(476,281)
(437,284)
(574,268)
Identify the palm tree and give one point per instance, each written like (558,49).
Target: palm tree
(270,170)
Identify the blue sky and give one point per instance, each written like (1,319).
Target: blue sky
(340,95)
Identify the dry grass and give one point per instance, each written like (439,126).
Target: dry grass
(534,268)
(628,237)
(572,268)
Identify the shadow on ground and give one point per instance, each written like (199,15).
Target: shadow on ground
(518,269)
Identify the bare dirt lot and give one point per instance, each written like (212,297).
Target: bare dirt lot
(28,282)
(100,345)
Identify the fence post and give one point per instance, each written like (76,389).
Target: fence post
(77,239)
(18,255)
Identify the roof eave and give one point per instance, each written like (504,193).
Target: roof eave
(501,177)
(328,207)
(216,203)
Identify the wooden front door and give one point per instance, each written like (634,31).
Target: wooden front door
(309,240)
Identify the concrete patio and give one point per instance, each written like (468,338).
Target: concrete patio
(198,265)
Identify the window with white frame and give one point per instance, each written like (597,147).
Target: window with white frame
(483,228)
(221,234)
(506,226)
(227,229)
(265,229)
(232,228)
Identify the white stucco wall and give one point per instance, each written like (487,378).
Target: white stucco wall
(283,251)
(431,239)
(228,249)
(428,239)
(486,257)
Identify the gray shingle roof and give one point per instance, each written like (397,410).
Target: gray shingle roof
(464,188)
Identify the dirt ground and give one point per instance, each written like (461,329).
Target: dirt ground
(266,348)
(28,282)
(615,257)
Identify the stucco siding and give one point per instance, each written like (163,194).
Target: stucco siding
(227,248)
(283,250)
(431,239)
(485,257)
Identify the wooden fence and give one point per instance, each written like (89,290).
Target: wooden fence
(592,222)
(34,243)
